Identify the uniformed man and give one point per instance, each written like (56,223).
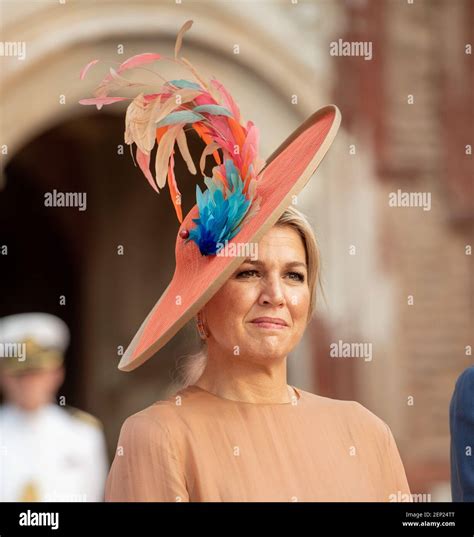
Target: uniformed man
(48,452)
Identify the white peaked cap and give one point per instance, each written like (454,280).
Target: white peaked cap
(45,329)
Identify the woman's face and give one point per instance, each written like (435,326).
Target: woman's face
(275,285)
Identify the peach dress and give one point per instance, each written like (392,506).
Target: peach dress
(199,447)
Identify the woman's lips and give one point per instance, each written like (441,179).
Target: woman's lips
(268,325)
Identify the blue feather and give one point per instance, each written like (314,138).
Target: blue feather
(213,109)
(220,213)
(184,84)
(183,116)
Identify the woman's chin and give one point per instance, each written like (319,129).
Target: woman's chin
(267,351)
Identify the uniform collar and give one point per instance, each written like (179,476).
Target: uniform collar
(28,416)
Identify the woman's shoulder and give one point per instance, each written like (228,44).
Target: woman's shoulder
(169,412)
(355,415)
(158,416)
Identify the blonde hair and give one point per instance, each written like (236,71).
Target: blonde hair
(191,366)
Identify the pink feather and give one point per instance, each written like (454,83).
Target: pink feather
(130,63)
(100,101)
(151,97)
(228,100)
(144,163)
(250,147)
(86,68)
(139,59)
(205,98)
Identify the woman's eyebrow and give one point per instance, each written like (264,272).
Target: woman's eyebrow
(260,263)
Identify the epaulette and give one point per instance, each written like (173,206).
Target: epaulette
(84,416)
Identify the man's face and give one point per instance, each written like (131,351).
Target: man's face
(32,389)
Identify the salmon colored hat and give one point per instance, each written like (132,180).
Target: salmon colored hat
(245,195)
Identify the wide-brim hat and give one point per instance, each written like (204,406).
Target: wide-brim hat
(201,270)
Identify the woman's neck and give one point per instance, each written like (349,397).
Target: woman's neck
(241,379)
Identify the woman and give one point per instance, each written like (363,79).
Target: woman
(240,433)
(237,431)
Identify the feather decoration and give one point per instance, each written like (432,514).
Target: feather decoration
(175,193)
(100,101)
(183,84)
(210,148)
(221,211)
(227,98)
(138,60)
(137,124)
(183,116)
(179,39)
(213,109)
(143,160)
(110,83)
(159,117)
(86,68)
(184,150)
(176,100)
(163,154)
(207,139)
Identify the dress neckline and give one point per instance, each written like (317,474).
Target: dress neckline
(234,401)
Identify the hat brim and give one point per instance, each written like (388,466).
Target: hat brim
(197,278)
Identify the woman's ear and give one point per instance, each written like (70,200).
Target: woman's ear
(201,325)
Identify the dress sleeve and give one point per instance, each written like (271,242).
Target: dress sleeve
(398,488)
(145,467)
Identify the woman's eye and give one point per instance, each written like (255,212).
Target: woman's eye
(295,275)
(299,276)
(246,272)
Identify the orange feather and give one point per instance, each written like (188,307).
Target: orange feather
(174,192)
(160,131)
(237,131)
(203,134)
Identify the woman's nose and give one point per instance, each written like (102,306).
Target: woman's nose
(272,291)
